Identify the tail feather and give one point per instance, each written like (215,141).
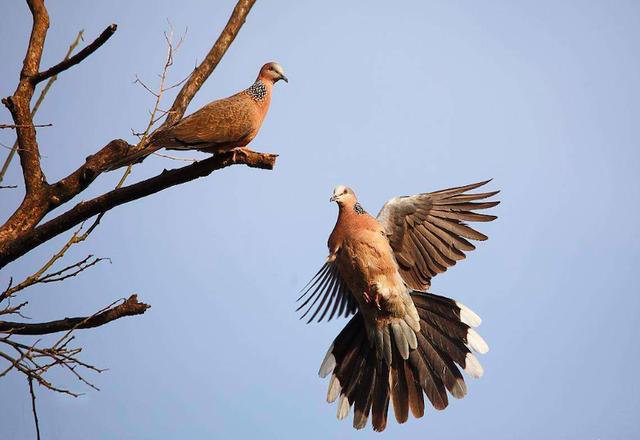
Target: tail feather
(153,143)
(399,365)
(430,382)
(380,405)
(132,158)
(449,373)
(416,399)
(363,391)
(399,390)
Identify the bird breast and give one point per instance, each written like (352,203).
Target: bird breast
(366,263)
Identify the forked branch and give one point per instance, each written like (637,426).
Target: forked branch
(129,307)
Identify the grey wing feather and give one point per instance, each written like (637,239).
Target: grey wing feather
(427,231)
(330,290)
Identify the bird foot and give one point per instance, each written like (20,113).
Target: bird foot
(375,299)
(240,151)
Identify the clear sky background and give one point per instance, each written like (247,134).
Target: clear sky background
(390,99)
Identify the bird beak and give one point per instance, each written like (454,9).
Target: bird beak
(333,199)
(284,78)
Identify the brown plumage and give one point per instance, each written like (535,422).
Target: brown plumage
(402,342)
(221,125)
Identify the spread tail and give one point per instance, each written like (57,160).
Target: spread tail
(402,365)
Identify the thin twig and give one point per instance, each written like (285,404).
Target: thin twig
(24,126)
(33,406)
(40,277)
(183,159)
(14,310)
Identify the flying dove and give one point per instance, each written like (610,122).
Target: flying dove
(221,125)
(403,341)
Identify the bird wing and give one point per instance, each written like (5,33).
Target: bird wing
(219,122)
(427,231)
(336,296)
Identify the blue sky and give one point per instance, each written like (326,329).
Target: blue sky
(391,100)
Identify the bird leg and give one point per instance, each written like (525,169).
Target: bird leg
(376,297)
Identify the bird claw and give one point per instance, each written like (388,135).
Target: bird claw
(239,151)
(375,299)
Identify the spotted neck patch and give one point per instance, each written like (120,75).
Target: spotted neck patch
(359,209)
(257,91)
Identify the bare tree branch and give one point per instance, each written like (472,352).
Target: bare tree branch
(43,94)
(85,210)
(23,126)
(77,58)
(10,310)
(15,239)
(60,275)
(24,231)
(129,307)
(33,406)
(34,206)
(18,104)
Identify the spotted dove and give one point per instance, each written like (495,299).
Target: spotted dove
(403,341)
(221,125)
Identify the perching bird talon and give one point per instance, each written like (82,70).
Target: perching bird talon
(239,152)
(376,298)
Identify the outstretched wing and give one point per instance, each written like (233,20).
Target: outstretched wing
(427,231)
(334,295)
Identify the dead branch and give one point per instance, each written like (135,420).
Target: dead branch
(18,105)
(19,234)
(24,230)
(129,307)
(33,406)
(10,310)
(39,276)
(60,275)
(181,159)
(85,210)
(23,126)
(43,94)
(77,58)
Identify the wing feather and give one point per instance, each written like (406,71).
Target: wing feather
(328,287)
(428,233)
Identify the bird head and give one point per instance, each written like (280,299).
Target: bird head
(272,72)
(343,196)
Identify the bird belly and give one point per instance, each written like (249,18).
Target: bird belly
(366,266)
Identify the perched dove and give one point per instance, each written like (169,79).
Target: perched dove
(402,340)
(221,125)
